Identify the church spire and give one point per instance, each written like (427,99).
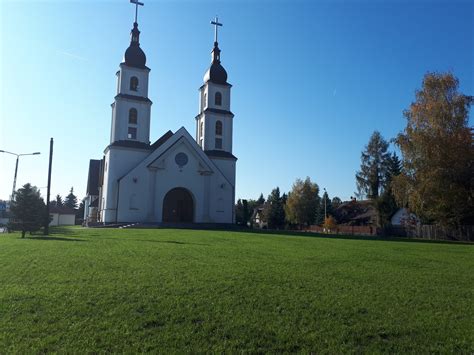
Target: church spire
(135,35)
(134,56)
(216,73)
(216,52)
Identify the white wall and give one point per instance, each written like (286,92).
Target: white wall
(62,219)
(117,163)
(143,190)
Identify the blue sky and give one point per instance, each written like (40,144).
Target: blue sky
(311,80)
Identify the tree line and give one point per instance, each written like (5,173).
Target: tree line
(433,178)
(302,206)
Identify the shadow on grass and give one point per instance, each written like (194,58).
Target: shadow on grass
(62,231)
(46,237)
(351,237)
(155,241)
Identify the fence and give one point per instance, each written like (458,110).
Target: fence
(433,232)
(346,230)
(429,232)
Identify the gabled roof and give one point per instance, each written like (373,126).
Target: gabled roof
(166,142)
(161,140)
(61,210)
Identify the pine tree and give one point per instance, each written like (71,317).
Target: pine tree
(373,168)
(58,202)
(386,204)
(261,200)
(71,200)
(28,210)
(322,212)
(274,212)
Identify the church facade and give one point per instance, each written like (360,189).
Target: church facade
(177,178)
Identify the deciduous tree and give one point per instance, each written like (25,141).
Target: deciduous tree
(303,200)
(437,181)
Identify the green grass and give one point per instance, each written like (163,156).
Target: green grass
(97,290)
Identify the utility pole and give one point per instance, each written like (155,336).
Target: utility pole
(325,198)
(46,223)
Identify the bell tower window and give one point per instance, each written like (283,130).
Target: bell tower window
(218,128)
(132,133)
(218,99)
(132,116)
(218,143)
(134,83)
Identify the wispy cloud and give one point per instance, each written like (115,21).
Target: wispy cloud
(71,55)
(334,92)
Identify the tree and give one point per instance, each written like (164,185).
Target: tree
(437,182)
(28,210)
(243,211)
(71,200)
(374,159)
(261,200)
(323,210)
(386,204)
(336,202)
(58,202)
(80,213)
(329,224)
(274,212)
(302,202)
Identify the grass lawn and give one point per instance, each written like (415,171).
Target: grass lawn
(137,290)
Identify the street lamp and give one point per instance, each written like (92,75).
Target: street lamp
(16,166)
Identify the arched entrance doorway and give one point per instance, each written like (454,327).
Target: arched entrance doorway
(178,206)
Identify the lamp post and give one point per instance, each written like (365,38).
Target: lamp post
(16,167)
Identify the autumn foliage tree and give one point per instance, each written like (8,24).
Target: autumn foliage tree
(437,181)
(302,202)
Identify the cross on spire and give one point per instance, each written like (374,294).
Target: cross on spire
(137,3)
(216,25)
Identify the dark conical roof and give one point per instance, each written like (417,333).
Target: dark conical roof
(216,73)
(134,55)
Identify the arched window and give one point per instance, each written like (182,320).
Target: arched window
(132,116)
(204,97)
(134,83)
(201,129)
(218,128)
(218,99)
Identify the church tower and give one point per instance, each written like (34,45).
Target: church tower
(131,108)
(214,121)
(130,128)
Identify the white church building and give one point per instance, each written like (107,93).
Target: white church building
(177,178)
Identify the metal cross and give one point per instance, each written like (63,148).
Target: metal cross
(137,3)
(216,24)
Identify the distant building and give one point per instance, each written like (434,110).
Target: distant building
(62,216)
(356,213)
(257,218)
(403,217)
